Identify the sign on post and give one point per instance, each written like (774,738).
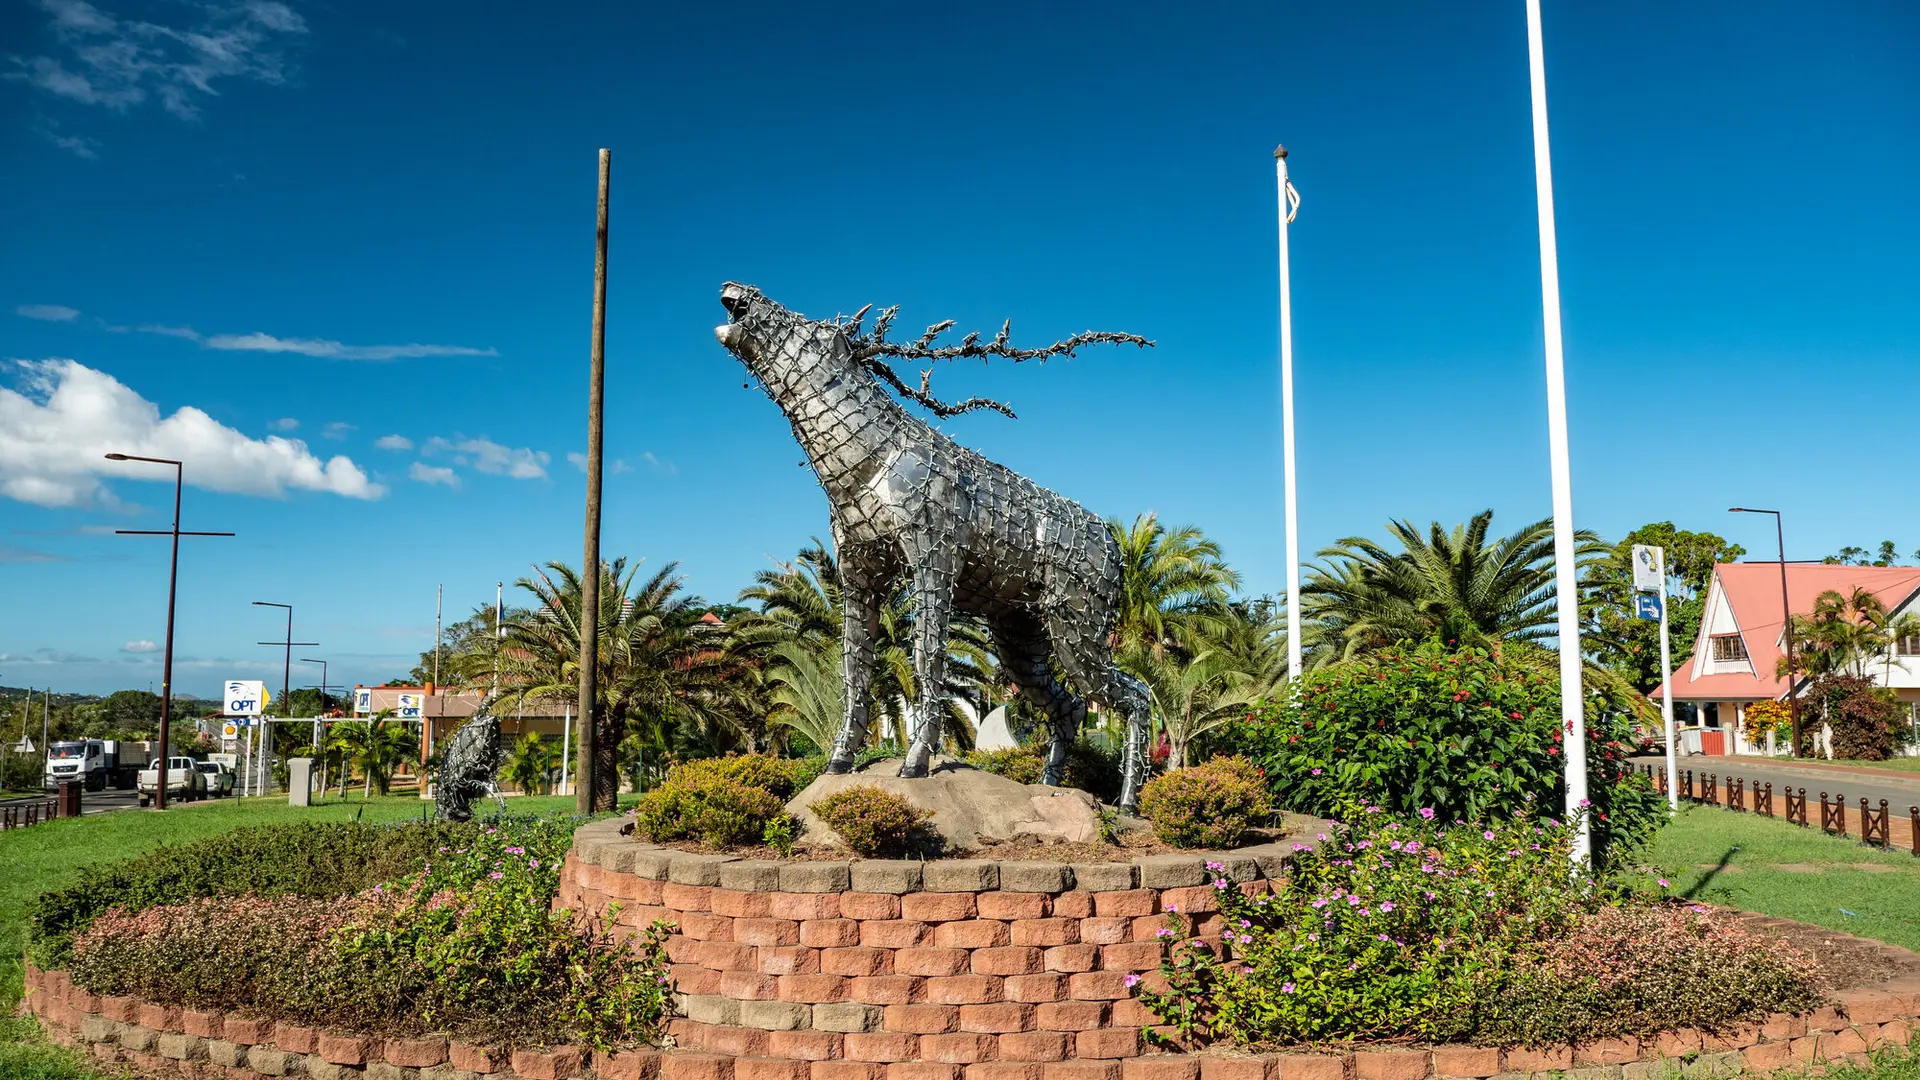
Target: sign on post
(1649,573)
(362,700)
(410,706)
(1646,605)
(245,698)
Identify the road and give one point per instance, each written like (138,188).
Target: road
(1901,790)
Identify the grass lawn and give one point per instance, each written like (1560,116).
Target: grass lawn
(1899,764)
(1765,865)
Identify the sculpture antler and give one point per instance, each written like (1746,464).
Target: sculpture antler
(874,351)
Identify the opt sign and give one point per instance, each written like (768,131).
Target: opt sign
(410,706)
(245,698)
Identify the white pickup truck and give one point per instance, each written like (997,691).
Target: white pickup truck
(185,781)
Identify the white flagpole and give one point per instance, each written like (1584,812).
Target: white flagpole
(566,745)
(1289,202)
(1666,703)
(1572,714)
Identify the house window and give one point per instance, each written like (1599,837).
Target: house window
(1729,647)
(1908,646)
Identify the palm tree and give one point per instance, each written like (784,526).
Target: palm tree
(793,641)
(1843,634)
(659,662)
(377,746)
(1167,577)
(530,763)
(1221,666)
(1450,585)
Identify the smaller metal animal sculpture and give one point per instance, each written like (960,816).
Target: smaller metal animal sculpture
(468,766)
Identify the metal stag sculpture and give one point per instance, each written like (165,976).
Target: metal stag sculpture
(468,766)
(971,537)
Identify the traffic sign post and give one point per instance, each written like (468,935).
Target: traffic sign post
(1650,602)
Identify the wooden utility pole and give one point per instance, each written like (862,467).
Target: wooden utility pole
(587,794)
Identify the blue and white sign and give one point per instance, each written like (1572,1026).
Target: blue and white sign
(410,706)
(245,698)
(1646,606)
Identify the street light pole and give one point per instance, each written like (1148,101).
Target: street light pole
(1289,206)
(1573,720)
(318,724)
(173,581)
(1786,619)
(286,680)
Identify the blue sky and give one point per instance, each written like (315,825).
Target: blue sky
(334,224)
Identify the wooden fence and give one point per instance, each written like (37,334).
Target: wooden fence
(22,814)
(1734,793)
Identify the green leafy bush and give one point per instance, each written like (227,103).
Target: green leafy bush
(1456,932)
(1464,732)
(1089,768)
(774,775)
(1867,720)
(873,822)
(708,807)
(306,859)
(1209,805)
(468,944)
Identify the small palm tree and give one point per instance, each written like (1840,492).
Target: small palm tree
(377,746)
(1219,668)
(531,763)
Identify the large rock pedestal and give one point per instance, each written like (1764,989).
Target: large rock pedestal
(969,807)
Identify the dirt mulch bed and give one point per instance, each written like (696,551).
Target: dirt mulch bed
(1134,843)
(1845,961)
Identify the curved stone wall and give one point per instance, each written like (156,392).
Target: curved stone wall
(953,961)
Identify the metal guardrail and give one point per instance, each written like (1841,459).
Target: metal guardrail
(1706,790)
(21,815)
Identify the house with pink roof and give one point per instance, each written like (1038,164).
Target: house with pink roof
(1740,642)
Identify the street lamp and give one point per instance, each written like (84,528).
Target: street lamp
(173,580)
(1786,614)
(319,728)
(286,677)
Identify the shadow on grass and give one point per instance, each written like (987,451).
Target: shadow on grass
(1700,887)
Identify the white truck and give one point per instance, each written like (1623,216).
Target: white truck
(100,763)
(185,781)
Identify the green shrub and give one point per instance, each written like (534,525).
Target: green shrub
(468,944)
(1089,768)
(307,859)
(1463,732)
(1210,805)
(708,807)
(872,821)
(774,775)
(1867,720)
(1464,931)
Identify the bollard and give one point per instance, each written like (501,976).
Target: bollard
(69,798)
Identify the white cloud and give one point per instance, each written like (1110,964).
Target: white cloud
(433,474)
(393,442)
(120,63)
(658,465)
(490,457)
(187,332)
(47,312)
(78,145)
(56,430)
(333,350)
(336,430)
(141,646)
(285,423)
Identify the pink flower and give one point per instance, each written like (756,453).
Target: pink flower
(1286,988)
(1133,981)
(1426,812)
(1488,834)
(1388,906)
(1315,772)
(1663,883)
(496,875)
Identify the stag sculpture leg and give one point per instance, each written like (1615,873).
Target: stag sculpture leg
(859,621)
(1023,650)
(932,611)
(1086,662)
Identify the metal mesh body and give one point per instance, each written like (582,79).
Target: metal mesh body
(468,766)
(966,535)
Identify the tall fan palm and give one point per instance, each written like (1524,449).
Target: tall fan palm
(794,641)
(1167,577)
(659,663)
(1842,635)
(1450,585)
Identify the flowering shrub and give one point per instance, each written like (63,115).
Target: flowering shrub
(1641,970)
(1466,732)
(306,859)
(1867,720)
(1421,929)
(1208,805)
(873,822)
(706,806)
(467,944)
(1765,716)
